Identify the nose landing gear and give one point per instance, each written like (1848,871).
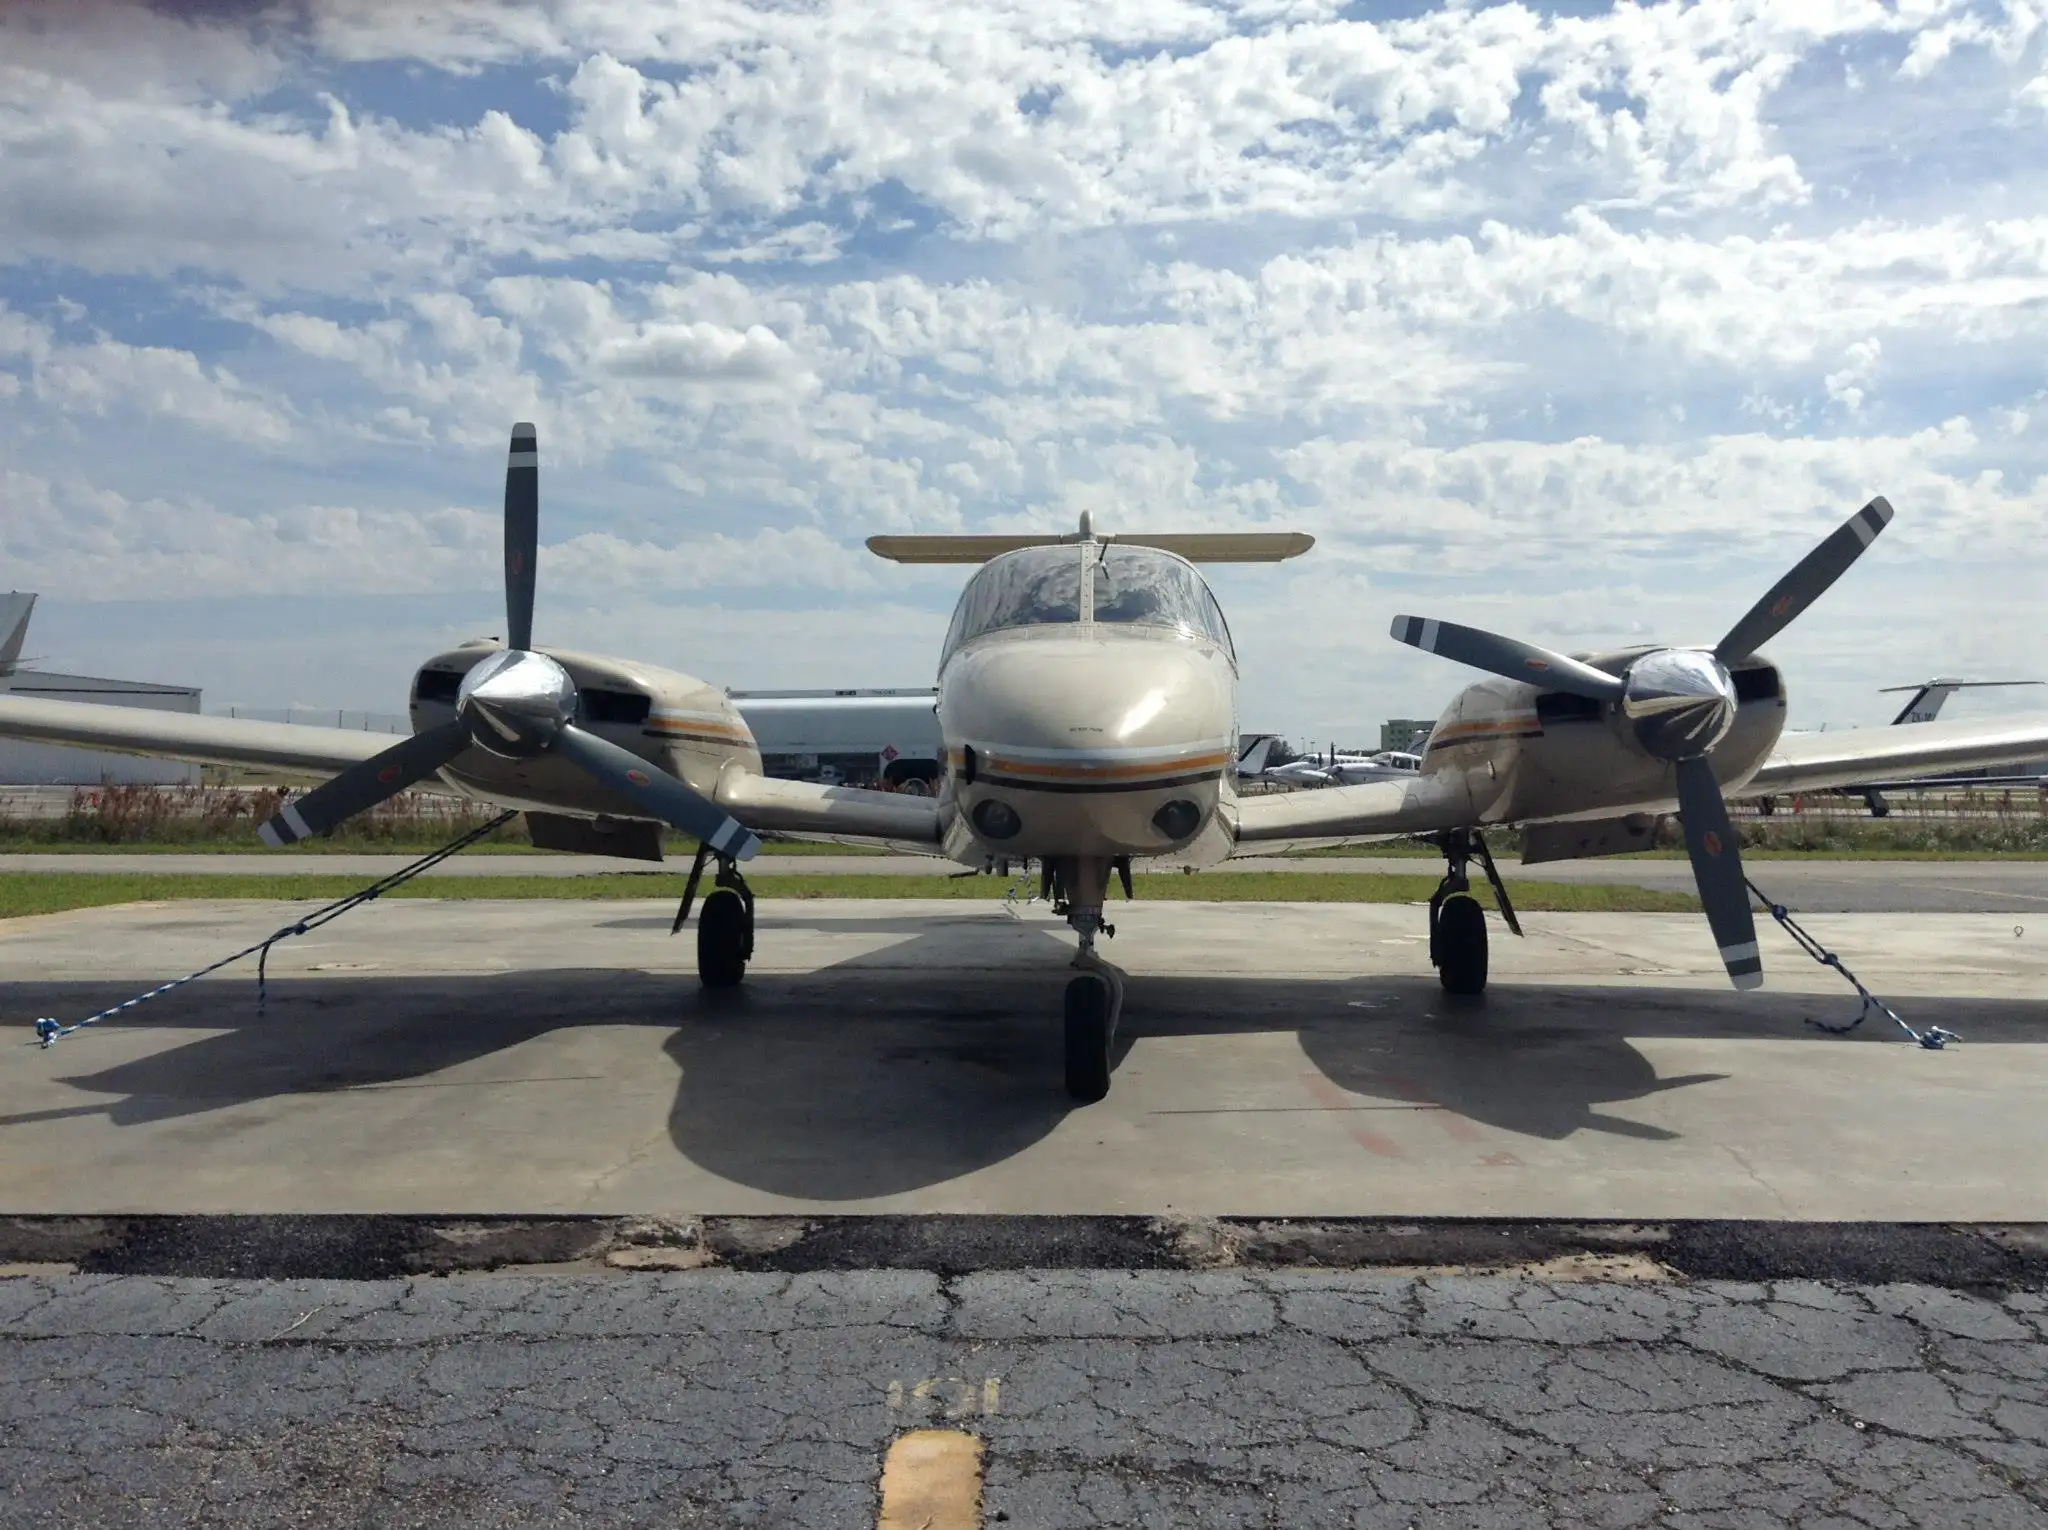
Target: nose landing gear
(1457,923)
(1095,995)
(725,925)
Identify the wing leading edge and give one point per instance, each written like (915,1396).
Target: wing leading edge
(1276,822)
(789,807)
(187,736)
(1854,756)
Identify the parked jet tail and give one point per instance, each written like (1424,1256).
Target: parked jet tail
(15,610)
(1926,702)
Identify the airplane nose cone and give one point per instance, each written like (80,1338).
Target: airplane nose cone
(1081,703)
(516,702)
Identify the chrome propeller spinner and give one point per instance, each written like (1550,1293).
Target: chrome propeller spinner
(516,703)
(1679,703)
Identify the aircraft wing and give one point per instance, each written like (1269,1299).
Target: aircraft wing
(1276,822)
(1856,756)
(835,814)
(188,736)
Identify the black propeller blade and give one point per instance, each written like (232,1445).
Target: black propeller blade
(656,792)
(362,787)
(1807,582)
(1711,841)
(1507,657)
(522,534)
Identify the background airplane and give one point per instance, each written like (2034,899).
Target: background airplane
(1087,701)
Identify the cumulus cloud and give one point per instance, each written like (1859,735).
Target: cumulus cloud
(1577,319)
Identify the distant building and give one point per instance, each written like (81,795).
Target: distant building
(1400,733)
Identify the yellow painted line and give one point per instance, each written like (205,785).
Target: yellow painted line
(932,1481)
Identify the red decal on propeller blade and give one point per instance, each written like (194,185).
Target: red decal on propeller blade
(388,774)
(1711,843)
(639,778)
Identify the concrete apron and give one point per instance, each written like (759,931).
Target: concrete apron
(1277,1060)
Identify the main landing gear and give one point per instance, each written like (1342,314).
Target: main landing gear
(1095,995)
(1457,922)
(725,925)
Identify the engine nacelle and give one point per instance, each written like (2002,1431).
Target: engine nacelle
(689,728)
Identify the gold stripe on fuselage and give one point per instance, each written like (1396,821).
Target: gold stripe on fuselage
(1523,725)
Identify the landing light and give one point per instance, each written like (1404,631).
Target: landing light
(1178,819)
(996,819)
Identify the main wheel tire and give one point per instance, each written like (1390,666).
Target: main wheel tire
(1088,1012)
(1459,945)
(724,939)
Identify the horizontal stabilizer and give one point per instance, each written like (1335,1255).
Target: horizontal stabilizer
(1195,546)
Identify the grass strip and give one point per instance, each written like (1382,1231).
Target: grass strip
(27,893)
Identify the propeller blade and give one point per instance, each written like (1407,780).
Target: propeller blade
(363,786)
(1505,656)
(1807,582)
(522,534)
(658,792)
(1717,870)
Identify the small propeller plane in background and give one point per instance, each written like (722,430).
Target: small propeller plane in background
(1088,696)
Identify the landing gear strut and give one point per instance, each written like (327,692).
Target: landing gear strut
(725,925)
(1095,995)
(1457,923)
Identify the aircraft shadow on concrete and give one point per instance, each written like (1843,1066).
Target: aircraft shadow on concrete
(936,1055)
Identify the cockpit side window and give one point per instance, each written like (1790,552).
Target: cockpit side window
(1142,586)
(1031,587)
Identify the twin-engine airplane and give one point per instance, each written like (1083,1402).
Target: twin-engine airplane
(1087,695)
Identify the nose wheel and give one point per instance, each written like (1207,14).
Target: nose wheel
(1094,1004)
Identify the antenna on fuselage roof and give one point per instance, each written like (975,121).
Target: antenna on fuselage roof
(1195,546)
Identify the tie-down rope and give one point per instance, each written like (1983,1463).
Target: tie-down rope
(49,1032)
(1934,1038)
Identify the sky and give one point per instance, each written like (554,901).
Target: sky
(1581,323)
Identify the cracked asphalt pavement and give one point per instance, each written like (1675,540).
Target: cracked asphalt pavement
(1106,1398)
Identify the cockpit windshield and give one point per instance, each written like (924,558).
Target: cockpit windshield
(1148,588)
(1026,588)
(1132,586)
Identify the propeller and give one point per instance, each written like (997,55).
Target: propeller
(516,704)
(1679,703)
